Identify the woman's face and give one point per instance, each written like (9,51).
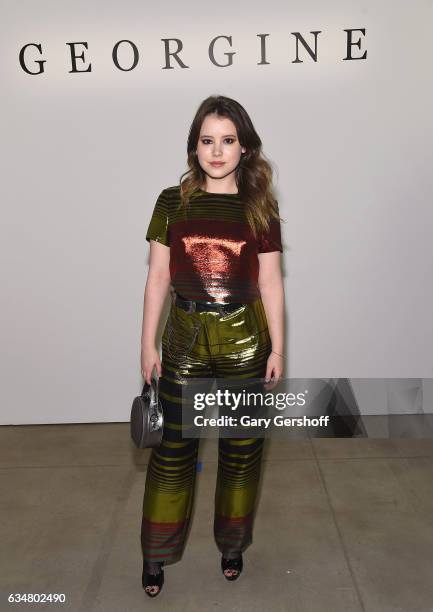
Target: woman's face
(218,147)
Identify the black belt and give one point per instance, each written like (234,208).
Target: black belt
(200,306)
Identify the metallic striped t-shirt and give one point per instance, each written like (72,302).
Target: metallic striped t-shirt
(213,253)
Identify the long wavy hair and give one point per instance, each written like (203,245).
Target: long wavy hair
(253,174)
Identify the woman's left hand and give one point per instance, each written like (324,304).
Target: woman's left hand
(274,370)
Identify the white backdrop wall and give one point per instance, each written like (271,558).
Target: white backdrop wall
(85,154)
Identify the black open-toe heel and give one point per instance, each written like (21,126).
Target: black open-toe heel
(232,568)
(152,583)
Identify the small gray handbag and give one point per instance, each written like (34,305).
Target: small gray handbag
(147,420)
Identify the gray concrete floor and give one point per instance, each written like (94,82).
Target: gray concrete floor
(343,525)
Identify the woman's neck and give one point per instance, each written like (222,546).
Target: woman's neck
(220,187)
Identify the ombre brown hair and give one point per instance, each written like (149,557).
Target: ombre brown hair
(253,174)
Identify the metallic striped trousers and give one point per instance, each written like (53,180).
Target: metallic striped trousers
(204,345)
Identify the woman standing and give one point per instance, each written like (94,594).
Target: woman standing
(216,239)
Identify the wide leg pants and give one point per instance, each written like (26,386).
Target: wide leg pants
(210,345)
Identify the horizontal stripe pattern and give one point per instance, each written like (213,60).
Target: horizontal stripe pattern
(213,253)
(233,346)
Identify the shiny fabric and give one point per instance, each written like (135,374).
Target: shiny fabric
(209,345)
(213,253)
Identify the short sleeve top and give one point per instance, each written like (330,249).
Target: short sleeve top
(213,253)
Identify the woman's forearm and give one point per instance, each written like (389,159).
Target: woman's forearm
(273,303)
(155,293)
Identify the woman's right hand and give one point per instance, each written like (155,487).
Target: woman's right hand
(149,360)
